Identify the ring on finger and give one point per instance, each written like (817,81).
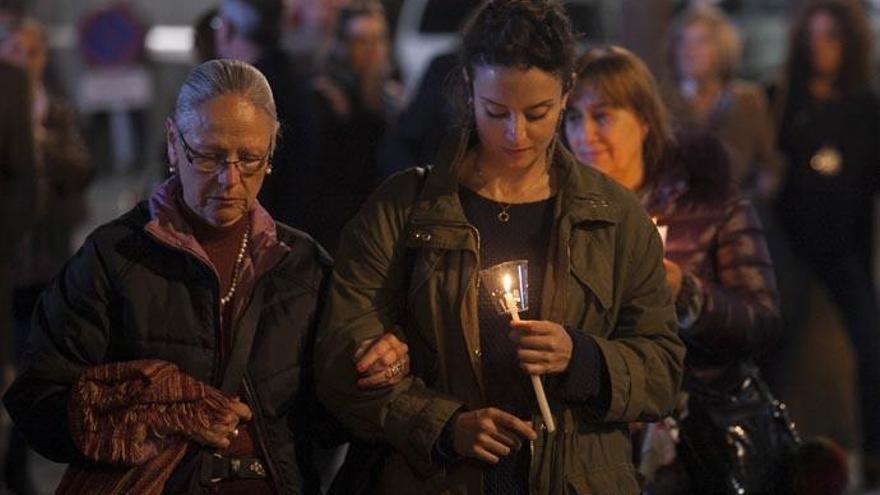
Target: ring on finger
(395,369)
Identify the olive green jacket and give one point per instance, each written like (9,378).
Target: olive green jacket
(410,260)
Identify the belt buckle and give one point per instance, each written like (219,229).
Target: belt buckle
(248,468)
(235,468)
(257,468)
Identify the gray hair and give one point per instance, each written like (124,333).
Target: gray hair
(221,77)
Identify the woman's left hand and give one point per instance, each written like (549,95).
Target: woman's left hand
(381,362)
(544,347)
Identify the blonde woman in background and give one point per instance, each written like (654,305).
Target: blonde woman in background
(704,93)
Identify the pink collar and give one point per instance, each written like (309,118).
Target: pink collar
(168,225)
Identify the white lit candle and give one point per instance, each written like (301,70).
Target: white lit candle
(543,405)
(509,301)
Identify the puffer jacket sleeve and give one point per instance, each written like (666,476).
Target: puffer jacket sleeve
(643,354)
(365,299)
(736,315)
(69,333)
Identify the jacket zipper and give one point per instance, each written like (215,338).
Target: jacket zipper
(258,425)
(215,306)
(215,371)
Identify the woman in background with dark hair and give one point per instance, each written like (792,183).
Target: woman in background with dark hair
(599,328)
(829,125)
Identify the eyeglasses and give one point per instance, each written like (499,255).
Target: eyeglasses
(210,164)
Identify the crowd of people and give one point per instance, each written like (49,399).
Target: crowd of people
(314,273)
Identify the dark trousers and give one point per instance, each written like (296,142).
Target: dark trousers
(849,280)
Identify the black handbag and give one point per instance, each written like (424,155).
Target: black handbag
(736,439)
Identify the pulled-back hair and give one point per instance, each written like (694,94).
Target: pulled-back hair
(619,78)
(520,34)
(220,77)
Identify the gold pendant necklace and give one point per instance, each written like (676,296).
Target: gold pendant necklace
(503,216)
(827,161)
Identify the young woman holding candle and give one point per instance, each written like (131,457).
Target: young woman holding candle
(599,328)
(716,260)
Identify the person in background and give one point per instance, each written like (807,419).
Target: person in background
(357,100)
(828,121)
(63,174)
(717,263)
(250,31)
(599,328)
(17,202)
(705,94)
(312,38)
(18,194)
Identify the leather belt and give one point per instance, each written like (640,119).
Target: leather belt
(235,468)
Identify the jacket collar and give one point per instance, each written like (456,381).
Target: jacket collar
(169,226)
(581,197)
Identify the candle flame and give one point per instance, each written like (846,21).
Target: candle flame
(507,282)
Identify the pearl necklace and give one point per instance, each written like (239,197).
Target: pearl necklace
(236,272)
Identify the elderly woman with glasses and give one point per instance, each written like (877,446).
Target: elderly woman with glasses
(171,352)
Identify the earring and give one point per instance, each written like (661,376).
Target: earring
(171,169)
(269,171)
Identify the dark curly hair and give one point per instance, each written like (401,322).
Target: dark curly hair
(521,34)
(511,33)
(855,34)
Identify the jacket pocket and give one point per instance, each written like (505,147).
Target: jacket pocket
(591,293)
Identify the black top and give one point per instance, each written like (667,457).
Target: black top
(526,235)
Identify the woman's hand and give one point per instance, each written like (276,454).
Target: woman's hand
(381,362)
(489,434)
(544,347)
(219,432)
(673,276)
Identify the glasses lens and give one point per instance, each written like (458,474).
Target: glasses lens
(250,166)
